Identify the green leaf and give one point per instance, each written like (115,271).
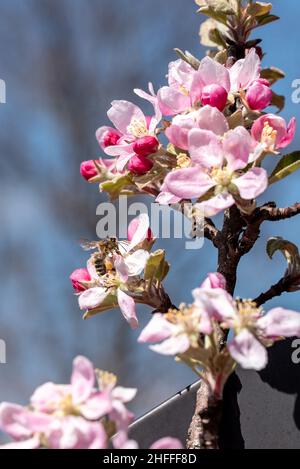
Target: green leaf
(259,9)
(211,13)
(286,166)
(156,267)
(272,74)
(117,186)
(216,37)
(188,57)
(266,19)
(278,101)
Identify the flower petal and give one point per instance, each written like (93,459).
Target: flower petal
(280,322)
(142,225)
(92,298)
(205,148)
(210,118)
(252,184)
(217,204)
(246,350)
(127,306)
(245,71)
(136,262)
(121,114)
(188,183)
(82,379)
(157,329)
(172,101)
(238,146)
(172,346)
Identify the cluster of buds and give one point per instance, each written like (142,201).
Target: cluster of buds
(88,413)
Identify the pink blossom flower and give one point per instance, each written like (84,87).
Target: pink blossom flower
(78,276)
(210,84)
(131,125)
(214,280)
(139,165)
(252,330)
(259,95)
(127,267)
(217,164)
(273,132)
(88,169)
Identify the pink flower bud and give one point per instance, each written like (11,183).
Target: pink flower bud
(214,280)
(215,96)
(79,275)
(110,138)
(259,95)
(133,226)
(146,146)
(139,165)
(88,169)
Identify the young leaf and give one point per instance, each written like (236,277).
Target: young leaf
(259,9)
(286,166)
(266,19)
(272,74)
(117,186)
(156,267)
(278,101)
(290,252)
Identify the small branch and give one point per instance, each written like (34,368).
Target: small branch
(210,231)
(276,214)
(276,290)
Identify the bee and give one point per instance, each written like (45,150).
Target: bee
(99,264)
(106,246)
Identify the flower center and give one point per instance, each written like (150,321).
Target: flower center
(222,177)
(269,136)
(137,128)
(248,313)
(183,161)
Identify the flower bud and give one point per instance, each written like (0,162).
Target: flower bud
(139,165)
(79,275)
(259,95)
(214,280)
(88,169)
(146,146)
(215,96)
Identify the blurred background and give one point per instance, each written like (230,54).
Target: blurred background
(64,61)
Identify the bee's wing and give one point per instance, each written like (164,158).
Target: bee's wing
(123,246)
(88,245)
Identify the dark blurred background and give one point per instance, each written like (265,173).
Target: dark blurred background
(64,61)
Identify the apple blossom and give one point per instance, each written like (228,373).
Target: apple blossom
(146,146)
(218,164)
(273,132)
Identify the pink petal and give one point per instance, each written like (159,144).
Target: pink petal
(238,146)
(82,379)
(180,74)
(100,134)
(166,198)
(172,101)
(247,351)
(123,394)
(123,149)
(141,226)
(210,118)
(92,298)
(290,134)
(217,303)
(252,184)
(32,443)
(245,71)
(188,183)
(205,148)
(76,433)
(121,114)
(280,322)
(214,280)
(157,329)
(167,443)
(127,306)
(211,72)
(172,346)
(96,406)
(216,204)
(47,398)
(152,98)
(121,268)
